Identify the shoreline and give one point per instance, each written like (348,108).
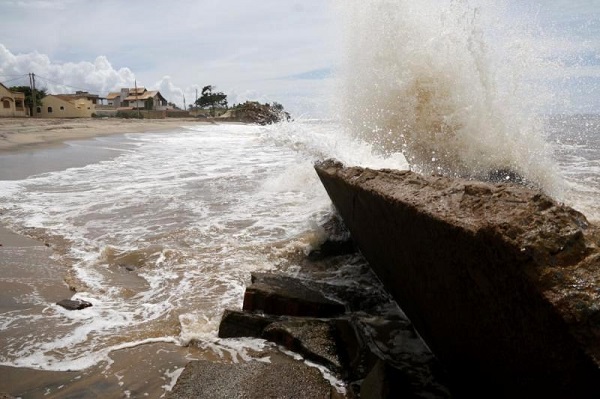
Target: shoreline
(23,134)
(29,261)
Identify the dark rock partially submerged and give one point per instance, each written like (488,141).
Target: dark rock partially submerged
(499,280)
(349,326)
(350,345)
(74,304)
(280,295)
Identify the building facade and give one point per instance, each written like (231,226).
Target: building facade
(65,106)
(12,104)
(137,98)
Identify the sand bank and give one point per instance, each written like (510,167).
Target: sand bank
(24,133)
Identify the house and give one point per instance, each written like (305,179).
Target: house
(94,98)
(12,103)
(65,106)
(137,98)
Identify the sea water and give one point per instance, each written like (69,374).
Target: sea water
(161,232)
(162,237)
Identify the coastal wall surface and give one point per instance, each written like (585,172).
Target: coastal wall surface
(499,280)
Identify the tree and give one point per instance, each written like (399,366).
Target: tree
(39,94)
(211,100)
(149,104)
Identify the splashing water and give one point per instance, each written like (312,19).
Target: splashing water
(447,84)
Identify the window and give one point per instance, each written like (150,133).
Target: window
(49,110)
(39,110)
(6,103)
(62,108)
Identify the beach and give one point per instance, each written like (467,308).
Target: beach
(29,269)
(159,225)
(18,134)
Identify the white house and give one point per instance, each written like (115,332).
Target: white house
(137,98)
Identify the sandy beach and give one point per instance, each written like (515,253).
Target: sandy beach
(17,134)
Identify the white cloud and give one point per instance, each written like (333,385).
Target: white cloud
(97,77)
(40,4)
(169,90)
(238,46)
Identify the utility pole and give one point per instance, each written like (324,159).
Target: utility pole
(33,96)
(136,98)
(196,103)
(184,108)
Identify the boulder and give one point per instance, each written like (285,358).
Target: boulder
(236,324)
(352,348)
(338,240)
(282,295)
(499,279)
(74,304)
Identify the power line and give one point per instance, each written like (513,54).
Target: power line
(17,78)
(12,76)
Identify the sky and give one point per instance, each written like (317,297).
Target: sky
(269,50)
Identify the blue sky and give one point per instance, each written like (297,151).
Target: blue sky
(268,50)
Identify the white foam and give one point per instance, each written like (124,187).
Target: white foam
(172,377)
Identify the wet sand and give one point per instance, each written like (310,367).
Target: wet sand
(27,271)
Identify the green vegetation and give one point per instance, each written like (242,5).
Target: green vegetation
(39,94)
(130,115)
(212,100)
(250,111)
(263,114)
(149,104)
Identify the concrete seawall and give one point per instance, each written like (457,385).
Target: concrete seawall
(499,280)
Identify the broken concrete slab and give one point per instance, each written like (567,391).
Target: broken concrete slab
(500,280)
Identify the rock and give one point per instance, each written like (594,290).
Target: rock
(282,295)
(314,339)
(387,381)
(254,380)
(332,248)
(499,280)
(74,304)
(236,324)
(402,364)
(338,241)
(254,112)
(350,347)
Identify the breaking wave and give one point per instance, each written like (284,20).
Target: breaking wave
(449,84)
